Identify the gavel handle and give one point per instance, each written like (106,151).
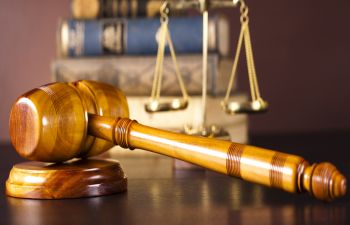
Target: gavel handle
(271,168)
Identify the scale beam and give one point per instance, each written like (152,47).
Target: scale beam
(202,5)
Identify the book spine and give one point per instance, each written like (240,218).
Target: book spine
(94,9)
(134,36)
(137,80)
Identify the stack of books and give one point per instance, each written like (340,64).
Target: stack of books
(114,41)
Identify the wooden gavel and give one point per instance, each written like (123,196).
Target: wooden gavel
(61,121)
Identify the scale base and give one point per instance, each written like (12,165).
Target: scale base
(212,131)
(72,179)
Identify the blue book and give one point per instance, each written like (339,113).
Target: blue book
(138,36)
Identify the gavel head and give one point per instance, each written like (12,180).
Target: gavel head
(50,123)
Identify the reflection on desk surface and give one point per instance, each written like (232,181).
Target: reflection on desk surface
(196,199)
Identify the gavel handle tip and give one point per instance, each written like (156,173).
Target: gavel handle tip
(324,181)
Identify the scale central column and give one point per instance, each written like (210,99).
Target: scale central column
(205,65)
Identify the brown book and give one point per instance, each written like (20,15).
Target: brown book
(138,80)
(92,9)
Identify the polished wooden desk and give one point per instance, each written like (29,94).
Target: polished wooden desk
(196,197)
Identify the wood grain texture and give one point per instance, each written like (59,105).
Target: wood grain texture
(103,100)
(49,124)
(74,179)
(262,166)
(87,109)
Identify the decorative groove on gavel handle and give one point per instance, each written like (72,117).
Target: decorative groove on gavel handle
(285,171)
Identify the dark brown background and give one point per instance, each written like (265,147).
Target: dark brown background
(301,53)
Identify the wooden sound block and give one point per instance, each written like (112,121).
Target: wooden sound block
(72,179)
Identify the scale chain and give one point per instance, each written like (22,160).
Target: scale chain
(164,38)
(244,36)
